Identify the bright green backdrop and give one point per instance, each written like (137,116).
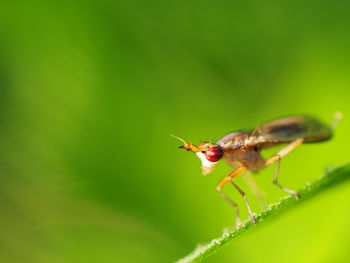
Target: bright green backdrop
(90,90)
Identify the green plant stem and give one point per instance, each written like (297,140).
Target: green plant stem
(328,180)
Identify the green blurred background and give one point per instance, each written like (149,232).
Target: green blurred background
(90,90)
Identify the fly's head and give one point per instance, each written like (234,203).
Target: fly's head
(210,154)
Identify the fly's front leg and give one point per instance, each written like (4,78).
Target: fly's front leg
(277,157)
(225,181)
(243,194)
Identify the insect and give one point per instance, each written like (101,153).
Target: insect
(241,150)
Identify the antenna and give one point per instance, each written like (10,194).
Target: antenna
(178,138)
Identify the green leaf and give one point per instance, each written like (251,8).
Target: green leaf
(328,180)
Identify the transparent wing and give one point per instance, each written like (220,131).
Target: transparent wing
(289,129)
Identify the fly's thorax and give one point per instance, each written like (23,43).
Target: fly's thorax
(243,156)
(233,140)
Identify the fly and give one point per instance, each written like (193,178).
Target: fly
(241,150)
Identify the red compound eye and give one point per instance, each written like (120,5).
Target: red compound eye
(214,154)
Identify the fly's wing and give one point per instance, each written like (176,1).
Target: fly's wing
(289,129)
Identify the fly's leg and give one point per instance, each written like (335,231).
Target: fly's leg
(234,205)
(275,181)
(225,181)
(248,178)
(243,194)
(277,157)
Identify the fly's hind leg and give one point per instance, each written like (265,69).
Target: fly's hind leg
(277,157)
(275,181)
